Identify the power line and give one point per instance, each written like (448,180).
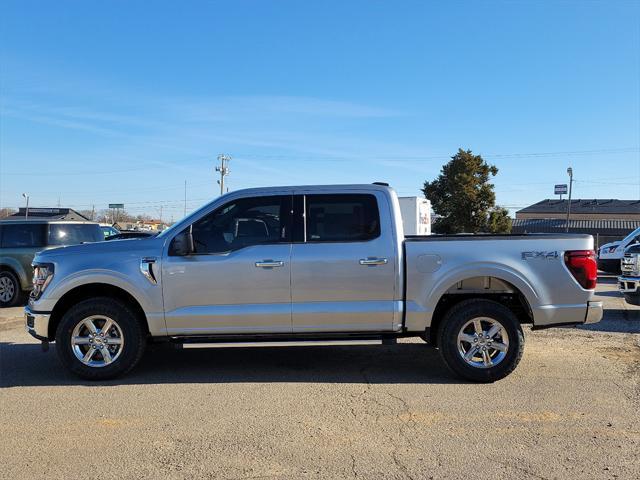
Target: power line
(329,157)
(66,173)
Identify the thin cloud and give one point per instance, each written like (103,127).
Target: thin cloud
(250,107)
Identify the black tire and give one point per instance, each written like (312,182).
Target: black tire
(10,280)
(453,322)
(632,299)
(132,332)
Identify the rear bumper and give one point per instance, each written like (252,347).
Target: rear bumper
(548,316)
(595,311)
(37,323)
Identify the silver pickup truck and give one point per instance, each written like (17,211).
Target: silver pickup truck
(629,281)
(324,264)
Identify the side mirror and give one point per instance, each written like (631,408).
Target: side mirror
(182,244)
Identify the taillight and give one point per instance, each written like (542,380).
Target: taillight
(583,266)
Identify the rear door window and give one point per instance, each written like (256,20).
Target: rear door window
(341,218)
(22,235)
(74,233)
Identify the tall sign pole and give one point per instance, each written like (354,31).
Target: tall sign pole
(115,211)
(570,172)
(223,169)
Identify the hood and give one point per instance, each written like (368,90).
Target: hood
(608,245)
(145,246)
(635,249)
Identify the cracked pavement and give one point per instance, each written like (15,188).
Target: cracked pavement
(570,410)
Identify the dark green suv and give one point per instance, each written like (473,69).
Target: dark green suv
(20,239)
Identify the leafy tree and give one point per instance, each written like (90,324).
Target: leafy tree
(5,212)
(499,221)
(464,199)
(90,214)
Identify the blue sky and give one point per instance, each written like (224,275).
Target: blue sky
(122,101)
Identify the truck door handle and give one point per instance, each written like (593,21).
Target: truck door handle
(373,261)
(270,263)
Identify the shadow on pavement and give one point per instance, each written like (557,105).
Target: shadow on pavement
(616,321)
(611,293)
(27,365)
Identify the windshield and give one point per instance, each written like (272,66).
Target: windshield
(173,227)
(166,231)
(631,236)
(74,233)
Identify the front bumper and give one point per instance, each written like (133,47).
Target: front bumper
(37,323)
(628,285)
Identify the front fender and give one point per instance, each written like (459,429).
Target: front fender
(148,295)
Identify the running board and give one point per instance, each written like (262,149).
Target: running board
(293,343)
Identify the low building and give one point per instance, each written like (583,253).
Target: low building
(153,226)
(141,226)
(68,214)
(607,220)
(595,209)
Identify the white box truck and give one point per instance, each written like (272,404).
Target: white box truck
(416,215)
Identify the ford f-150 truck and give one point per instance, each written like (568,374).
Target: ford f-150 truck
(629,281)
(309,264)
(611,254)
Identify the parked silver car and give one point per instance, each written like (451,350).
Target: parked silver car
(308,264)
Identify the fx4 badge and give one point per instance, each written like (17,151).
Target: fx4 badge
(539,255)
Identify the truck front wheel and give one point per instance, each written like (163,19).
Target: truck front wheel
(481,340)
(100,338)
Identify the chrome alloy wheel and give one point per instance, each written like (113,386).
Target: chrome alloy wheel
(7,289)
(483,342)
(97,341)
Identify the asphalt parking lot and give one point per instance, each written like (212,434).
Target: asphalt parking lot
(570,410)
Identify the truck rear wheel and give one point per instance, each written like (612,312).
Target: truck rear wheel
(100,338)
(481,340)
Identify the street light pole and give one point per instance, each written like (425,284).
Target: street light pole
(26,212)
(570,172)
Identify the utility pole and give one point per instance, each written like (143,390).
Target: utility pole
(223,169)
(570,172)
(93,211)
(185,198)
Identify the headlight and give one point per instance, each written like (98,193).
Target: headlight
(42,276)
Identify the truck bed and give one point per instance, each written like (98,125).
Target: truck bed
(495,236)
(529,266)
